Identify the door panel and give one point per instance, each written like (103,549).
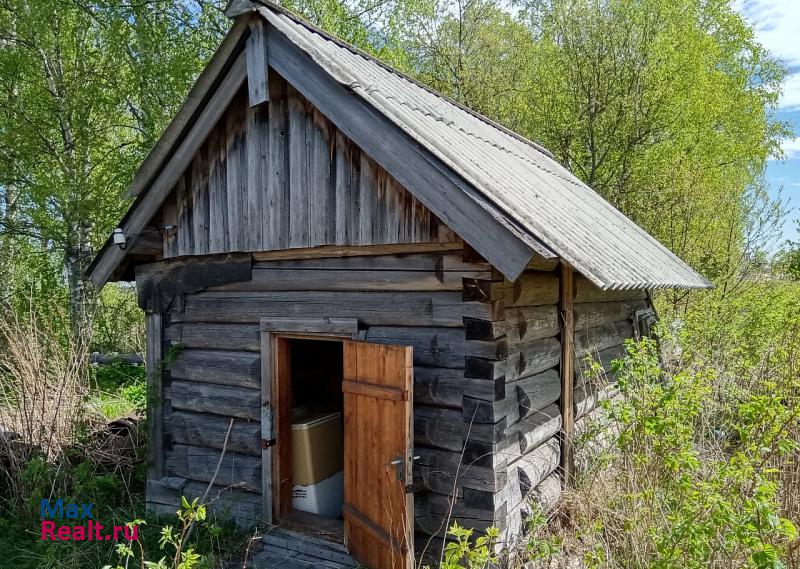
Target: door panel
(378,513)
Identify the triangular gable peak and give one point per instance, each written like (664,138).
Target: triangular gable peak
(434,169)
(234,175)
(282,176)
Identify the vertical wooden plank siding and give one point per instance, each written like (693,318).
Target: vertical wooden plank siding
(155,419)
(567,372)
(276,210)
(253,206)
(217,192)
(298,170)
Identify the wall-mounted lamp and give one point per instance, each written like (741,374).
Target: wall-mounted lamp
(119,238)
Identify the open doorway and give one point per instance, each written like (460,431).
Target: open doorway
(312,456)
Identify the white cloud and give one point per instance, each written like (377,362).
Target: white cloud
(791,148)
(790,98)
(777,26)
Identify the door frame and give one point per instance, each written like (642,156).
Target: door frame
(276,332)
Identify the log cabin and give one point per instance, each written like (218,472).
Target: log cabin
(367,306)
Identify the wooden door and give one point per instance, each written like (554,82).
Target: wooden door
(378,513)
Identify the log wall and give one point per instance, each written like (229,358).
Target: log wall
(486,374)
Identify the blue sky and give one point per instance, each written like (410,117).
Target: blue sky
(777,28)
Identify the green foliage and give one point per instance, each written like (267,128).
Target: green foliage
(464,552)
(690,479)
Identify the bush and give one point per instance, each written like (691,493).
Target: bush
(693,474)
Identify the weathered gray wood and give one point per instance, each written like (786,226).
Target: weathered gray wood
(257,86)
(200,213)
(198,463)
(298,170)
(166,490)
(269,279)
(218,192)
(436,427)
(239,505)
(183,198)
(586,291)
(451,464)
(527,358)
(594,340)
(214,366)
(589,395)
(218,399)
(257,150)
(238,337)
(202,429)
(169,217)
(436,347)
(476,329)
(157,284)
(344,182)
(589,315)
(347,327)
(447,387)
(444,261)
(236,140)
(155,415)
(370,308)
(535,466)
(275,218)
(605,358)
(534,429)
(457,205)
(347,251)
(527,323)
(321,191)
(532,289)
(524,396)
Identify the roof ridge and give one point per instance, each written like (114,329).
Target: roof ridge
(269,4)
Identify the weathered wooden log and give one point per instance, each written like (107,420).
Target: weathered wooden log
(269,279)
(589,395)
(204,430)
(199,463)
(528,358)
(217,366)
(592,314)
(536,428)
(532,289)
(523,396)
(240,505)
(443,261)
(370,308)
(527,323)
(434,503)
(605,359)
(586,291)
(591,341)
(239,337)
(535,466)
(217,399)
(446,387)
(476,329)
(158,283)
(450,463)
(436,347)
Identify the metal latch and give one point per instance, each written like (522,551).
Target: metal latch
(267,434)
(399,463)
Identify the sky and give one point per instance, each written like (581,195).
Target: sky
(777,28)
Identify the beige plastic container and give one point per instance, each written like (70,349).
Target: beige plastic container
(317,448)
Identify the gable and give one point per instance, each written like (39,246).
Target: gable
(282,176)
(501,194)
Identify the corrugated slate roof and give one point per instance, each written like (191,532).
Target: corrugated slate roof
(522,179)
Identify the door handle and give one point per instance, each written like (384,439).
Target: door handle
(399,464)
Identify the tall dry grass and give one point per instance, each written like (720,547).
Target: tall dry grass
(43,387)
